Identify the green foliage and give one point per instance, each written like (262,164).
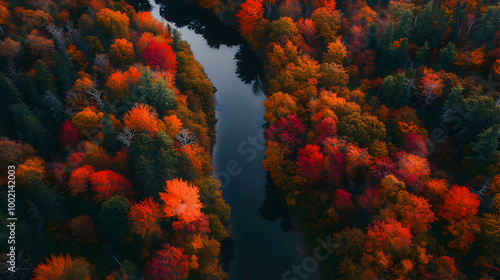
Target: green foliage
(113,218)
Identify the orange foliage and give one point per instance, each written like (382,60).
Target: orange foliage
(121,52)
(79,181)
(181,200)
(145,217)
(77,57)
(53,268)
(87,121)
(173,125)
(113,23)
(31,168)
(142,118)
(9,47)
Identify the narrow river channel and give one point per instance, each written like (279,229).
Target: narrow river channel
(262,250)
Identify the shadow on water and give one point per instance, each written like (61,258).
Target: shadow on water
(215,33)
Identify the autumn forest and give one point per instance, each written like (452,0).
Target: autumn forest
(381,122)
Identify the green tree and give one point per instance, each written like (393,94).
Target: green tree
(114,217)
(363,129)
(487,145)
(392,91)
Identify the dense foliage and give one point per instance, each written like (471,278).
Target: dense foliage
(108,119)
(383,125)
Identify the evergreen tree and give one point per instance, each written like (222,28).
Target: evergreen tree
(487,145)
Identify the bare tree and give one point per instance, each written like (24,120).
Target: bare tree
(96,95)
(483,189)
(58,34)
(126,136)
(185,137)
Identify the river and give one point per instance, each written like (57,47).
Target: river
(262,249)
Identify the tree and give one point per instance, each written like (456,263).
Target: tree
(486,147)
(336,52)
(251,12)
(282,29)
(83,228)
(332,75)
(181,200)
(287,130)
(327,22)
(121,52)
(68,135)
(392,90)
(159,55)
(363,129)
(388,236)
(430,88)
(113,217)
(168,263)
(32,169)
(310,162)
(459,204)
(113,23)
(107,184)
(341,199)
(277,106)
(79,181)
(145,217)
(8,47)
(61,267)
(88,122)
(173,125)
(142,118)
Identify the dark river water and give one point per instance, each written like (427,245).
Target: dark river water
(262,249)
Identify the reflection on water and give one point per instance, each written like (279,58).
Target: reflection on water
(249,68)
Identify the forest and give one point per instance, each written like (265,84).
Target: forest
(106,123)
(382,129)
(381,135)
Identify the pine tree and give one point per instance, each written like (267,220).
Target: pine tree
(487,145)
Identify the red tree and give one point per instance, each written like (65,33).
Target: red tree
(250,12)
(159,54)
(388,236)
(287,130)
(341,199)
(459,204)
(414,143)
(107,184)
(68,135)
(168,263)
(310,162)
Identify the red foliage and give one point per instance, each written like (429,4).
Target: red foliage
(366,62)
(107,184)
(68,135)
(414,143)
(325,129)
(459,204)
(341,199)
(336,168)
(366,198)
(446,268)
(160,55)
(250,12)
(287,130)
(381,167)
(168,263)
(388,236)
(310,162)
(199,226)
